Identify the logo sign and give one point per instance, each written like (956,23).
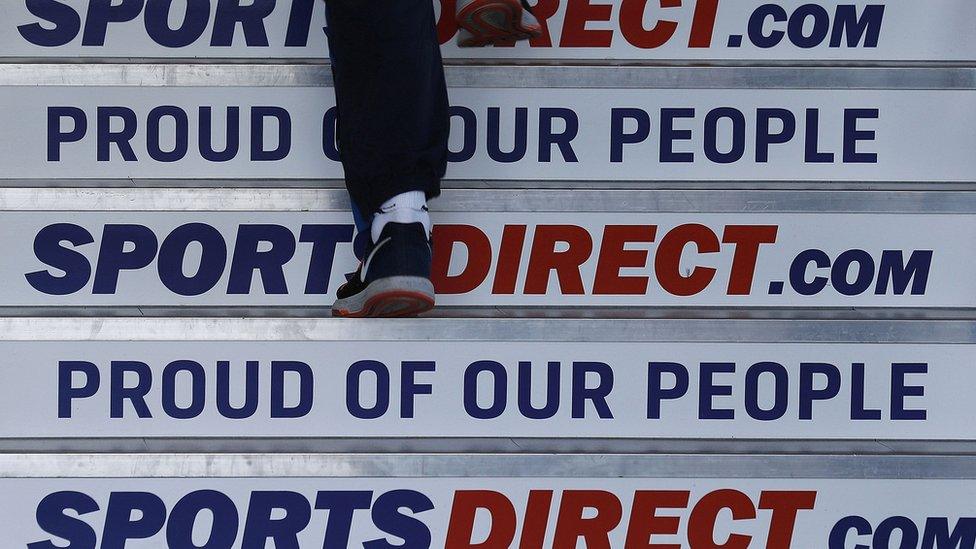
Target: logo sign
(262,257)
(561,134)
(751,30)
(496,389)
(455,513)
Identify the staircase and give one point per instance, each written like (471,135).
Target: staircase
(704,284)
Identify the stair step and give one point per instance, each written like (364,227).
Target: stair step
(702,383)
(635,312)
(526,330)
(796,501)
(496,248)
(514,76)
(928,470)
(469,445)
(555,124)
(497,184)
(740,31)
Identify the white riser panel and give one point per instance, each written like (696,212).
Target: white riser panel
(470,378)
(145,248)
(815,501)
(601,124)
(876,31)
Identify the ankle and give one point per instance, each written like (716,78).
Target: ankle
(409,207)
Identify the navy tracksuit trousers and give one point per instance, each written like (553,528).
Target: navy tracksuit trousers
(391,98)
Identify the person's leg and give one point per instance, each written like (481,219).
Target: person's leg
(393,134)
(393,131)
(391,96)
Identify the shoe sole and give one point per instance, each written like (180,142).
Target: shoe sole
(492,21)
(393,297)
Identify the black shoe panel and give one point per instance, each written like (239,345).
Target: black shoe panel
(403,249)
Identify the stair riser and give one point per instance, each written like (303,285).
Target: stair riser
(718,31)
(587,250)
(453,388)
(569,135)
(425,511)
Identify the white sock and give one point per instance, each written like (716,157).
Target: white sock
(408,207)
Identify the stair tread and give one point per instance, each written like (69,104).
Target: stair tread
(500,76)
(825,329)
(439,465)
